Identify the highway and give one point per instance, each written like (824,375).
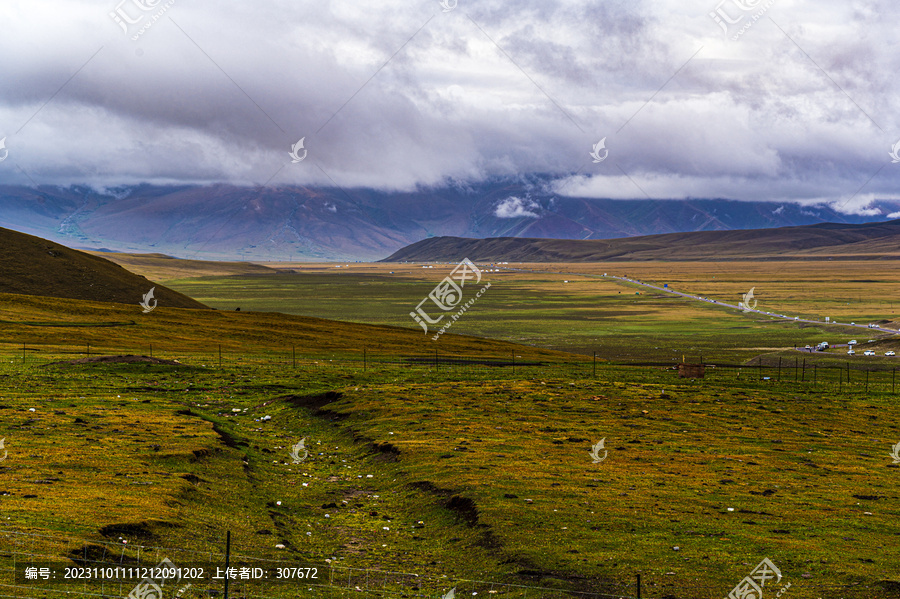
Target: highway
(710,301)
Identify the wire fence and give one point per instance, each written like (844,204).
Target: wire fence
(37,565)
(57,553)
(810,372)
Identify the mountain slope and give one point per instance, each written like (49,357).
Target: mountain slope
(33,266)
(223,222)
(822,241)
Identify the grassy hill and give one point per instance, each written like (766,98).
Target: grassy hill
(33,266)
(44,324)
(824,241)
(161,267)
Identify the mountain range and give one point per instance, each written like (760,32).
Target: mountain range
(827,241)
(325,224)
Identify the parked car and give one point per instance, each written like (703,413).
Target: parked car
(852,342)
(868,352)
(889,353)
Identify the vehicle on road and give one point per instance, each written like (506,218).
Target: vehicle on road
(850,352)
(889,353)
(808,347)
(869,352)
(852,342)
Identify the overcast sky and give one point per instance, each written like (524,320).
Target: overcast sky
(799,104)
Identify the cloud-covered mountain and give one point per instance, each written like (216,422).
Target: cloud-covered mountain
(305,223)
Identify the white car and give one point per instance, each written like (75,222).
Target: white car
(868,352)
(850,352)
(808,347)
(852,342)
(889,353)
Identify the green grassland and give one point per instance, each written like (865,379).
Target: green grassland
(590,313)
(467,473)
(456,473)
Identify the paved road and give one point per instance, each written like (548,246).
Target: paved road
(716,302)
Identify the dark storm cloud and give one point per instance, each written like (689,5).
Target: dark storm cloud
(801,105)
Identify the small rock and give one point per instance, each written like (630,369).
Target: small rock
(279,546)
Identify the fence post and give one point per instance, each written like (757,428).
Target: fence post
(803,375)
(294,356)
(638,586)
(227,559)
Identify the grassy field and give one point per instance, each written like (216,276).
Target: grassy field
(472,474)
(455,475)
(589,313)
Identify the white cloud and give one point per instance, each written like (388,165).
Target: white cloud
(396,95)
(513,207)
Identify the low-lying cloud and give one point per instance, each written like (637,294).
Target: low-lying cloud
(513,207)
